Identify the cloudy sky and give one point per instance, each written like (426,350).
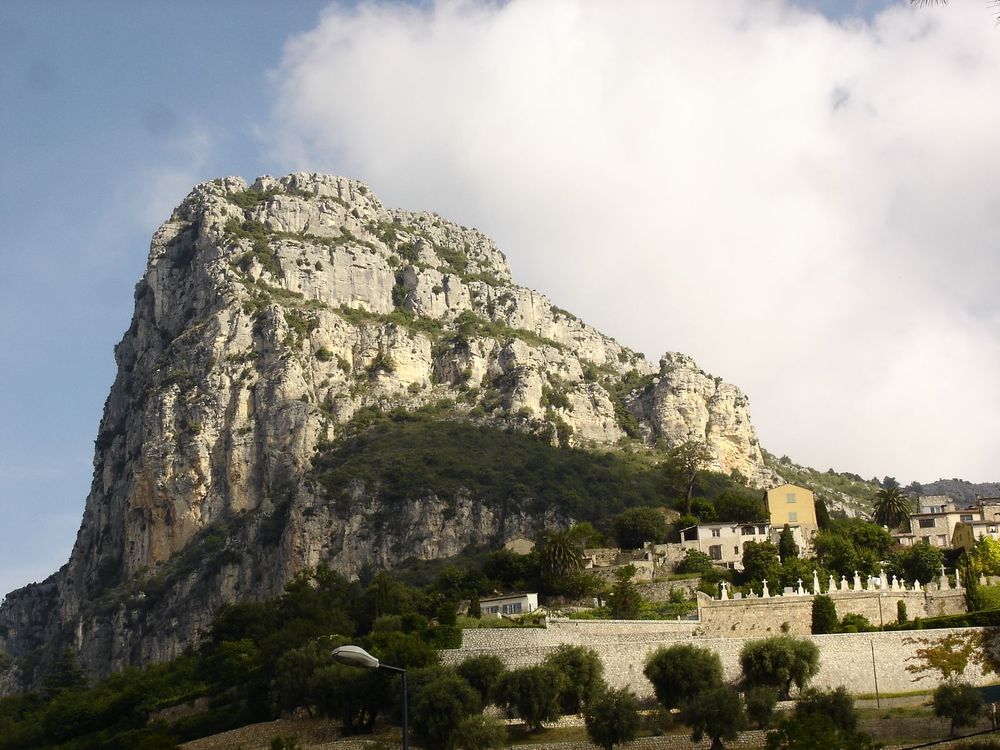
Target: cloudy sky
(801,195)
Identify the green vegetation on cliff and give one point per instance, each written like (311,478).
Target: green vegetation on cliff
(408,455)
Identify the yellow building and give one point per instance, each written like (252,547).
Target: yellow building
(794,505)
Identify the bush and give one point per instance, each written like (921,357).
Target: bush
(680,672)
(837,705)
(583,672)
(612,718)
(855,623)
(779,662)
(959,702)
(480,733)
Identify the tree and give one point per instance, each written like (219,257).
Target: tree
(561,553)
(822,720)
(837,705)
(439,706)
(959,702)
(583,672)
(994,3)
(760,702)
(65,674)
(824,615)
(355,696)
(742,506)
(822,514)
(779,662)
(973,598)
(612,718)
(635,526)
(483,673)
(836,553)
(684,461)
(761,561)
(680,672)
(480,732)
(795,569)
(532,693)
(718,713)
(624,600)
(475,609)
(292,674)
(921,562)
(787,548)
(695,561)
(986,556)
(891,507)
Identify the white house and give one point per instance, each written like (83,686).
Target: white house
(509,604)
(723,542)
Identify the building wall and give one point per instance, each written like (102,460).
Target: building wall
(624,646)
(780,509)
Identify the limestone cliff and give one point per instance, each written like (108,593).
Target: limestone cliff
(269,318)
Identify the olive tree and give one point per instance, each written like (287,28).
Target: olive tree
(532,693)
(678,673)
(612,718)
(780,662)
(583,672)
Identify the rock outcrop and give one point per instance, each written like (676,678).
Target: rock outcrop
(268,319)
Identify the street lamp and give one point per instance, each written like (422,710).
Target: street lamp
(355,656)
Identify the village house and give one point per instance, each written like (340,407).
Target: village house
(937,518)
(795,506)
(509,604)
(723,541)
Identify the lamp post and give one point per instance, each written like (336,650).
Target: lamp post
(355,656)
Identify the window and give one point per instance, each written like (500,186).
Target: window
(762,530)
(736,550)
(927,523)
(512,609)
(965,519)
(746,530)
(793,516)
(715,552)
(716,532)
(790,497)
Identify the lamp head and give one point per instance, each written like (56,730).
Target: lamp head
(354,656)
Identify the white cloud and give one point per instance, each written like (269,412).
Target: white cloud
(810,208)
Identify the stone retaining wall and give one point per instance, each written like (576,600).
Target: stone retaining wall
(845,658)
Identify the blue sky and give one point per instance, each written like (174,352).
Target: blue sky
(113,110)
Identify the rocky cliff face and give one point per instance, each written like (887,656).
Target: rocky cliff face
(271,316)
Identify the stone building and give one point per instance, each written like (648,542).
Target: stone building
(938,517)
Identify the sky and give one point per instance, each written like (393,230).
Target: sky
(800,195)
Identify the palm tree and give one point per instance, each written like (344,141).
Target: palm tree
(892,507)
(994,3)
(561,553)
